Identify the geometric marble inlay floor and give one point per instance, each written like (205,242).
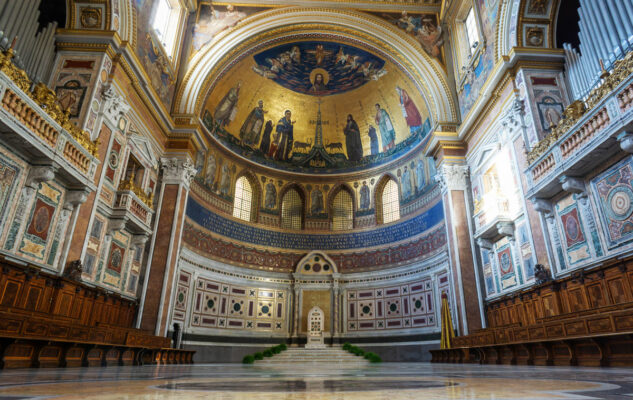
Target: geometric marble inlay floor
(392,381)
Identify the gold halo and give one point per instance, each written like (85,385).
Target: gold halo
(326,75)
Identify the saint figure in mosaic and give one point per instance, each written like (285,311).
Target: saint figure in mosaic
(227,108)
(387,133)
(352,140)
(252,126)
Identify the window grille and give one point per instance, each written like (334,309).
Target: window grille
(243,203)
(291,210)
(390,202)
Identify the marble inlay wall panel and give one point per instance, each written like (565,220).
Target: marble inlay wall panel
(221,305)
(613,194)
(40,237)
(12,175)
(526,251)
(574,231)
(491,279)
(412,305)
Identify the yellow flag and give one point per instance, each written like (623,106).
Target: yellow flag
(447,325)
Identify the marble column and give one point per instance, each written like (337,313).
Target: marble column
(336,330)
(178,171)
(295,312)
(453,181)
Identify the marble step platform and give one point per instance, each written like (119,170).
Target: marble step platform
(301,355)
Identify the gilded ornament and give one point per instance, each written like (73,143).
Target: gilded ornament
(622,69)
(90,18)
(17,75)
(129,185)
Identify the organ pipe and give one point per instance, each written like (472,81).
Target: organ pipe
(34,51)
(605,35)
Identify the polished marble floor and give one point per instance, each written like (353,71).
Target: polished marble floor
(392,381)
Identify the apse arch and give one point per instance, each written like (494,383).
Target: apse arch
(428,74)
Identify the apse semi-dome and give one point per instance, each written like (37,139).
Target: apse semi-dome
(319,104)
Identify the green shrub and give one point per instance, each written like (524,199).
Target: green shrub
(248,359)
(259,355)
(375,358)
(268,353)
(357,351)
(283,347)
(275,350)
(347,346)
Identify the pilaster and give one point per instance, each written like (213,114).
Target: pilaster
(453,180)
(178,171)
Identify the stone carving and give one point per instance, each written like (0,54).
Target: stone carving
(513,117)
(74,270)
(177,170)
(541,274)
(542,206)
(572,185)
(622,70)
(114,107)
(626,141)
(453,177)
(40,174)
(74,198)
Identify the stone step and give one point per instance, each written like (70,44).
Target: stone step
(299,355)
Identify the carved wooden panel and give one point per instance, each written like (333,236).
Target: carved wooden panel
(30,290)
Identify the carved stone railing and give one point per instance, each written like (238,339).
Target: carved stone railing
(134,210)
(575,129)
(588,129)
(129,185)
(36,117)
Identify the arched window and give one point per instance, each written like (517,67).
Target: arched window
(390,202)
(291,210)
(342,211)
(243,203)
